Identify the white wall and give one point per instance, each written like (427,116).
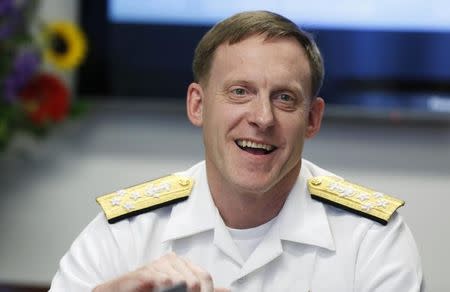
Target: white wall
(49,187)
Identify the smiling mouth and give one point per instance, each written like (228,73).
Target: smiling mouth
(255,148)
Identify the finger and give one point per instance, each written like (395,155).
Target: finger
(221,290)
(192,281)
(206,281)
(161,279)
(163,267)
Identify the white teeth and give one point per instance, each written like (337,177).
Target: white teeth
(246,143)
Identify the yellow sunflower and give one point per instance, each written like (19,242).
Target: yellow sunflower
(65,44)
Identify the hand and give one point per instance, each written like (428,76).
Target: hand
(166,271)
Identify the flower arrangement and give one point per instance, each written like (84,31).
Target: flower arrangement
(33,99)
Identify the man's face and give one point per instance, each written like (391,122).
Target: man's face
(255,111)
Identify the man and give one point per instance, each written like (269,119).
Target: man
(253,216)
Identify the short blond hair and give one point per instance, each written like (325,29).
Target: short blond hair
(243,25)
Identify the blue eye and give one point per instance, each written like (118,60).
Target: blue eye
(286,97)
(239,91)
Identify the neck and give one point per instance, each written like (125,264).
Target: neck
(243,209)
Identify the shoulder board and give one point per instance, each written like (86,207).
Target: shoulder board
(354,198)
(145,197)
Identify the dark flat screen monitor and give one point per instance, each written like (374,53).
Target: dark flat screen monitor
(388,59)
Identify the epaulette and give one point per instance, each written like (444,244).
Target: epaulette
(145,197)
(354,198)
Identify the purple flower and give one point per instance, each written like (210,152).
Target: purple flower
(11,18)
(5,31)
(6,6)
(10,89)
(25,65)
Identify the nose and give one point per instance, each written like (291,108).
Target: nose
(261,113)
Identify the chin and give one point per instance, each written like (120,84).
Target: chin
(255,184)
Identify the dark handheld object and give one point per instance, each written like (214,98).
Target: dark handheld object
(182,287)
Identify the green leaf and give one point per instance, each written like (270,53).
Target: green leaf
(5,134)
(5,63)
(3,128)
(79,107)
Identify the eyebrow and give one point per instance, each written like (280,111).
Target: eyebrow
(231,82)
(290,87)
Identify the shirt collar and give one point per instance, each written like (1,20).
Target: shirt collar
(199,214)
(302,219)
(195,215)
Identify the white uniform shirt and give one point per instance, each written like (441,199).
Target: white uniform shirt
(309,247)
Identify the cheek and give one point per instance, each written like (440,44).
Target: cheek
(294,125)
(298,137)
(227,117)
(216,122)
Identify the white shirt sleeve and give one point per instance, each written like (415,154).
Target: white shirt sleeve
(388,259)
(93,258)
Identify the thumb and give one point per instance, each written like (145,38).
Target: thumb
(221,290)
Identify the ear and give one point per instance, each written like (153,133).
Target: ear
(194,104)
(316,110)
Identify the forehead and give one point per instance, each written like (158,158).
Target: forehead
(261,57)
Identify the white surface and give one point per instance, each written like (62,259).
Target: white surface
(48,187)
